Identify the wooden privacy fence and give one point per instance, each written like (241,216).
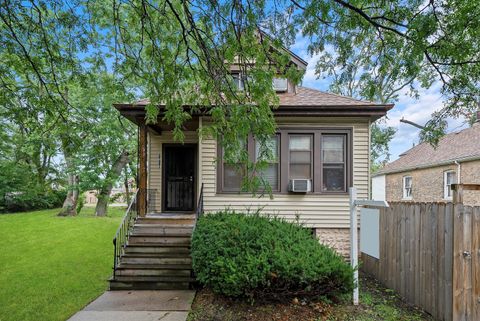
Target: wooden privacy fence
(429,254)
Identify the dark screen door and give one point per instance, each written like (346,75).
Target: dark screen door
(179,182)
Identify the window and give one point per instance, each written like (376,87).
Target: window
(270,153)
(321,155)
(238,80)
(407,187)
(333,162)
(300,150)
(280,84)
(233,173)
(449,178)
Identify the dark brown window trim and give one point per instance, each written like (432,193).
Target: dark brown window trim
(220,168)
(345,162)
(283,133)
(279,161)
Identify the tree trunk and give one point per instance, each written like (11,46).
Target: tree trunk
(112,175)
(69,207)
(125,182)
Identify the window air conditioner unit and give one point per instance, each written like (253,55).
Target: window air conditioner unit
(300,185)
(280,84)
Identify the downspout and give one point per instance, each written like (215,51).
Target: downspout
(459,171)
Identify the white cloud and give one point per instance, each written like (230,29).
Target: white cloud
(418,111)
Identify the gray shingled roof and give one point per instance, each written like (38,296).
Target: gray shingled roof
(313,97)
(462,145)
(305,97)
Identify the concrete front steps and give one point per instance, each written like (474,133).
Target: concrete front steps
(157,255)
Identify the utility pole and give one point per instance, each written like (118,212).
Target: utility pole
(403,120)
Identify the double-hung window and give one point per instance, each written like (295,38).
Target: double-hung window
(233,172)
(300,156)
(407,187)
(449,178)
(334,178)
(270,153)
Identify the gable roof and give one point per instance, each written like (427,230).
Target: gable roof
(459,146)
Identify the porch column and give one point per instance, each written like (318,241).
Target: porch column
(142,169)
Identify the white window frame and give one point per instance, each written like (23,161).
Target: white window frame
(404,188)
(447,187)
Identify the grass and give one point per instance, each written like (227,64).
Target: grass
(50,267)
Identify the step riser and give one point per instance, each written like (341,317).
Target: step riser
(115,285)
(133,239)
(156,250)
(166,221)
(188,226)
(155,279)
(163,230)
(146,272)
(154,260)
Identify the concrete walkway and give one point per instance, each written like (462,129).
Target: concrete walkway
(167,305)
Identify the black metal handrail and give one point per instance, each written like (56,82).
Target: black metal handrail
(121,237)
(199,211)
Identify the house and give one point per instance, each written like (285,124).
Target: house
(425,173)
(117,196)
(322,142)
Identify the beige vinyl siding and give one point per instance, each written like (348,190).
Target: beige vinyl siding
(155,145)
(321,211)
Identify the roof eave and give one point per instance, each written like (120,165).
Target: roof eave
(423,166)
(374,112)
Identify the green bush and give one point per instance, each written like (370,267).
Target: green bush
(82,198)
(31,200)
(265,257)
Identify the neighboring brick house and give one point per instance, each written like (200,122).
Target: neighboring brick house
(424,173)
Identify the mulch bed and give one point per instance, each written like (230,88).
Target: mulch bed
(380,304)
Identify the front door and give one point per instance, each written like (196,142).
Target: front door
(179,178)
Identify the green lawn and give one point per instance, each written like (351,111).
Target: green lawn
(50,267)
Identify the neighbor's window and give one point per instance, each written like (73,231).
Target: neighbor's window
(301,156)
(449,178)
(233,173)
(270,154)
(407,187)
(333,163)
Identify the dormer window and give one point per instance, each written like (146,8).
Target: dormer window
(280,84)
(238,81)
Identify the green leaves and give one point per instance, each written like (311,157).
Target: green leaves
(246,254)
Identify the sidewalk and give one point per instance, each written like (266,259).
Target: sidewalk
(166,305)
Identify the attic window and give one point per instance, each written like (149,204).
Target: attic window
(238,81)
(280,84)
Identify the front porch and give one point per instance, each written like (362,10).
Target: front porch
(169,175)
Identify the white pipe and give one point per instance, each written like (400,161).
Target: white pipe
(354,241)
(459,172)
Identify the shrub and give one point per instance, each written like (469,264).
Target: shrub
(31,200)
(82,198)
(257,256)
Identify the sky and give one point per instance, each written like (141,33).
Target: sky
(415,110)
